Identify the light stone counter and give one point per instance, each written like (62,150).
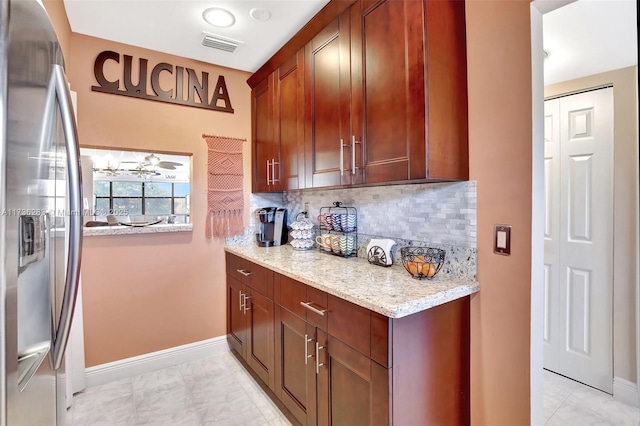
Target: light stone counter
(390,291)
(132,230)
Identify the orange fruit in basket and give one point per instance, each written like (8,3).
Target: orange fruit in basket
(420,258)
(429,269)
(413,267)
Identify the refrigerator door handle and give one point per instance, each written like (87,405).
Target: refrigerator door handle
(59,90)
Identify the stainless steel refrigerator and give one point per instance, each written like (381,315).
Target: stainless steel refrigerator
(41,221)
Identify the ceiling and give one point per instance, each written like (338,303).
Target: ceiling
(588,37)
(137,165)
(176,26)
(583,37)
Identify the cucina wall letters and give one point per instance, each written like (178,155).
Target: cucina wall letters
(197,89)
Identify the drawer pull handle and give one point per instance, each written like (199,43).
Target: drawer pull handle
(306,348)
(245,273)
(318,363)
(240,297)
(320,311)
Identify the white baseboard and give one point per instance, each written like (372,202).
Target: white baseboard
(625,391)
(129,367)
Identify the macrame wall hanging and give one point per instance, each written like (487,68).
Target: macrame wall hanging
(225,197)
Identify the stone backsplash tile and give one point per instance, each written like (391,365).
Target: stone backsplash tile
(441,215)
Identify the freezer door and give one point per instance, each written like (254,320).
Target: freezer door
(41,218)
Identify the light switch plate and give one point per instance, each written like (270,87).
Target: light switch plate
(502,240)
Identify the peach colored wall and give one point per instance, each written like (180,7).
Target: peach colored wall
(500,154)
(58,15)
(151,292)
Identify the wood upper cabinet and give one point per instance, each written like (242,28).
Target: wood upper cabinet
(278,128)
(388,90)
(386,95)
(385,100)
(327,105)
(289,123)
(265,149)
(409,93)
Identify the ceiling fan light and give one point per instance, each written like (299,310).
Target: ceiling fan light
(219,17)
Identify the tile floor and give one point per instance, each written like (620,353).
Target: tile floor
(213,391)
(569,403)
(218,391)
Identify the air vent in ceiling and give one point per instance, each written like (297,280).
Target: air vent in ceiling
(215,41)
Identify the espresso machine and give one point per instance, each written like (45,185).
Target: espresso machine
(273,226)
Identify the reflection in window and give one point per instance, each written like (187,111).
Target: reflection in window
(142,199)
(138,186)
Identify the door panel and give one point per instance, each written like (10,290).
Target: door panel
(290,121)
(236,320)
(388,89)
(578,237)
(260,349)
(262,135)
(328,105)
(295,375)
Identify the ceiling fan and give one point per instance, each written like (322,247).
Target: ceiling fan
(154,160)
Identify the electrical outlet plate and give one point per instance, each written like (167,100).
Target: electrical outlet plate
(502,240)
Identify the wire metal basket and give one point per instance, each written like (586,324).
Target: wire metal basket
(422,262)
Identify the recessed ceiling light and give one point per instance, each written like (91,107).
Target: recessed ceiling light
(219,17)
(260,14)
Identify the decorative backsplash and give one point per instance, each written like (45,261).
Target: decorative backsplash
(440,215)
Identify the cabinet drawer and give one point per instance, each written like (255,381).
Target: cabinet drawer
(350,323)
(289,294)
(259,278)
(234,266)
(317,301)
(360,328)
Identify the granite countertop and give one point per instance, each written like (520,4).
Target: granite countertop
(390,291)
(129,230)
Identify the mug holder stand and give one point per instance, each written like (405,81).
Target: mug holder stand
(331,228)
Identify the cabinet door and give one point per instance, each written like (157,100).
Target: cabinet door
(295,381)
(328,105)
(263,141)
(352,389)
(236,318)
(260,326)
(289,122)
(388,90)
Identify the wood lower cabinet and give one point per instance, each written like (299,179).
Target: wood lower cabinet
(250,316)
(295,372)
(236,317)
(260,336)
(331,362)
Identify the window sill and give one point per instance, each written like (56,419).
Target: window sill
(134,230)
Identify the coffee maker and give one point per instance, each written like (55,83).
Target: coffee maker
(273,227)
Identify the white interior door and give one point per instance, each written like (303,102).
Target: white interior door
(578,328)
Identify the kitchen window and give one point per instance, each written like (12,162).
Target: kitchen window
(155,199)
